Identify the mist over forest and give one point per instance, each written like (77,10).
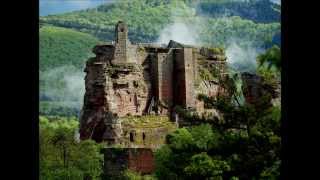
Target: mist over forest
(238,136)
(242,34)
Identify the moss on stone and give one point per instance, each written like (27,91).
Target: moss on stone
(208,74)
(216,50)
(214,53)
(123,68)
(205,74)
(148,121)
(141,49)
(147,131)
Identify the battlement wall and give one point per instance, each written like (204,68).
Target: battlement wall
(117,160)
(189,66)
(124,52)
(185,67)
(164,79)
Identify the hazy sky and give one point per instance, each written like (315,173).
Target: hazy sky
(276,1)
(48,7)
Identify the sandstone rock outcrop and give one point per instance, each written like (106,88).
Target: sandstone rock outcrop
(140,80)
(132,91)
(259,93)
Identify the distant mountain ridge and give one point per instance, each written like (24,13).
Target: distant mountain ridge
(51,7)
(66,40)
(148,17)
(260,11)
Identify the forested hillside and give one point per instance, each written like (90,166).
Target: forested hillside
(66,40)
(62,47)
(244,144)
(147,18)
(261,11)
(63,53)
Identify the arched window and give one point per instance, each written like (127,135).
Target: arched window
(131,137)
(143,136)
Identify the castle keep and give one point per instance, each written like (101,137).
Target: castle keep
(132,91)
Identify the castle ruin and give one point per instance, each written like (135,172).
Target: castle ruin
(132,91)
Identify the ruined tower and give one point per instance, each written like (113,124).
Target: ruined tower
(163,76)
(185,67)
(124,50)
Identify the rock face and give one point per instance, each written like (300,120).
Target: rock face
(259,93)
(126,79)
(111,92)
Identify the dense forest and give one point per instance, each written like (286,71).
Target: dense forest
(61,155)
(147,18)
(258,11)
(61,47)
(66,40)
(63,53)
(246,145)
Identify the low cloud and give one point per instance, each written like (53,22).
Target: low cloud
(64,85)
(241,58)
(178,31)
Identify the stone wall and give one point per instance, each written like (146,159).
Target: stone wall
(121,34)
(163,76)
(141,160)
(184,78)
(179,79)
(251,87)
(260,93)
(164,81)
(131,91)
(112,91)
(189,77)
(136,159)
(128,80)
(146,131)
(92,115)
(115,162)
(125,52)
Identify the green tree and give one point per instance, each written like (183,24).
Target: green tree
(204,138)
(165,163)
(61,156)
(180,139)
(272,57)
(245,145)
(203,166)
(269,65)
